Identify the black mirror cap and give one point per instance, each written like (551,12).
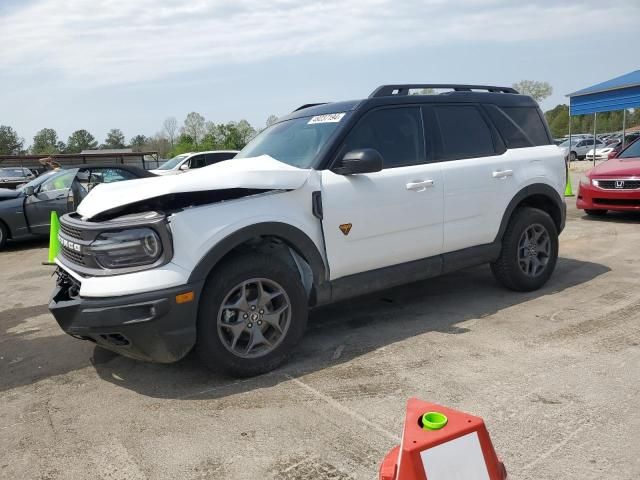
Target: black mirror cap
(365,160)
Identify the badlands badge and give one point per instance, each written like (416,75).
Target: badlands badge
(345,228)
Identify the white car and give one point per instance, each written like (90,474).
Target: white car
(579,148)
(191,160)
(601,153)
(333,201)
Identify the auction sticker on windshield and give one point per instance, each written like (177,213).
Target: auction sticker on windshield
(328,118)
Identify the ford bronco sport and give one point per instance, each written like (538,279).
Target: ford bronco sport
(333,201)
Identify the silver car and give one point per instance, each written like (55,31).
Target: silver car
(11,177)
(579,147)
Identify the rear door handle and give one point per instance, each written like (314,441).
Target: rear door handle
(502,174)
(419,185)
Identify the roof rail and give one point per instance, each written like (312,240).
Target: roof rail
(389,90)
(307,105)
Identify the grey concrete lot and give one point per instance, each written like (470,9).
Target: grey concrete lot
(554,373)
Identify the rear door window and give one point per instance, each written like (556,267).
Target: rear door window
(197,162)
(464,133)
(212,158)
(394,132)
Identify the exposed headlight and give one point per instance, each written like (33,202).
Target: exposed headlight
(126,248)
(585,181)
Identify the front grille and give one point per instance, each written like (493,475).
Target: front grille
(623,202)
(70,231)
(75,257)
(614,184)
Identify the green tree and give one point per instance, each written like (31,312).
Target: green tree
(183,144)
(138,142)
(115,139)
(538,90)
(81,140)
(194,127)
(245,132)
(10,143)
(46,142)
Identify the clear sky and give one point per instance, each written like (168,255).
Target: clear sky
(128,64)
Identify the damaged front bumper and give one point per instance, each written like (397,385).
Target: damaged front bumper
(150,326)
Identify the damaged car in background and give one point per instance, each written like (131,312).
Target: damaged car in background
(26,211)
(332,201)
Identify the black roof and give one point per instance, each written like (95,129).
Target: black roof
(137,171)
(399,94)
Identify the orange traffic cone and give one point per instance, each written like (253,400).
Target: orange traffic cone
(440,444)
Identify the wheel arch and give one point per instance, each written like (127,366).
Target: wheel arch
(289,235)
(537,195)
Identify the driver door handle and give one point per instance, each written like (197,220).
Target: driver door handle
(502,173)
(419,185)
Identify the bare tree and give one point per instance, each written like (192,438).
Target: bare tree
(194,126)
(271,120)
(158,143)
(537,90)
(170,128)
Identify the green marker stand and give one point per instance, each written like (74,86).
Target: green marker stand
(434,421)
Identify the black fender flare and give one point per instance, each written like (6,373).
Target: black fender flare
(293,236)
(530,190)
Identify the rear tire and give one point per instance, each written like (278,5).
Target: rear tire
(253,311)
(595,213)
(529,251)
(4,235)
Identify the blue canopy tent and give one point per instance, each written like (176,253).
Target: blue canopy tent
(619,93)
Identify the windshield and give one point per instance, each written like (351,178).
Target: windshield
(13,173)
(632,151)
(566,142)
(173,163)
(296,141)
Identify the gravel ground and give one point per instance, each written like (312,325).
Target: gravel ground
(554,373)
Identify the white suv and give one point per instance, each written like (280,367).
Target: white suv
(333,201)
(189,161)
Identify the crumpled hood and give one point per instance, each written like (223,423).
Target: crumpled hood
(261,172)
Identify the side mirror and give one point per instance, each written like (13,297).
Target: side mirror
(365,160)
(184,166)
(30,190)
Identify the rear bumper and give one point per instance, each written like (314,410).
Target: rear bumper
(148,326)
(594,198)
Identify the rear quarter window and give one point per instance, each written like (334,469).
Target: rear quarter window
(528,119)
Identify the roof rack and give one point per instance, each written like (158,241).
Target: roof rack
(389,90)
(308,105)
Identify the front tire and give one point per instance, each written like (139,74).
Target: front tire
(529,251)
(253,311)
(4,234)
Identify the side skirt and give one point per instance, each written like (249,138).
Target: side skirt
(401,274)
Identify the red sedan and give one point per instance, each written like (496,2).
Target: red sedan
(612,185)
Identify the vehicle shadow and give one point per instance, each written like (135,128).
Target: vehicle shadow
(28,244)
(615,217)
(341,332)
